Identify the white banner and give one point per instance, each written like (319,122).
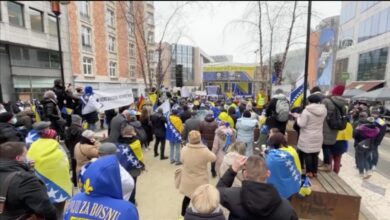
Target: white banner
(114,98)
(166,107)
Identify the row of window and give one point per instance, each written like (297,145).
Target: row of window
(88,68)
(85,12)
(16,13)
(348,9)
(374,25)
(31,57)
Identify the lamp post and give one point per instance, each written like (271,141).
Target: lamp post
(307,54)
(55,8)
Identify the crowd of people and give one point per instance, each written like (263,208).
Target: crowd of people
(49,148)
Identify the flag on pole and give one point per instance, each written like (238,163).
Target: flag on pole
(296,96)
(141,103)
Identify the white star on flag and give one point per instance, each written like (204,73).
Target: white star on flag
(125,151)
(291,168)
(288,163)
(52,193)
(296,177)
(130,158)
(60,198)
(294,172)
(283,155)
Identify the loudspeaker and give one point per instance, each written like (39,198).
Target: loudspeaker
(179,75)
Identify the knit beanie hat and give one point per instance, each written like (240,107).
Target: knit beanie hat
(88,134)
(76,120)
(194,137)
(314,98)
(49,133)
(338,90)
(5,117)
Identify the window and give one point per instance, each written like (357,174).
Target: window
(111,18)
(150,37)
(132,50)
(31,57)
(86,37)
(132,71)
(87,66)
(36,20)
(364,5)
(111,43)
(84,8)
(372,65)
(347,11)
(341,67)
(151,56)
(54,59)
(112,69)
(15,14)
(131,29)
(150,18)
(52,25)
(374,25)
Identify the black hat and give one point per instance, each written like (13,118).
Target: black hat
(5,117)
(42,125)
(314,99)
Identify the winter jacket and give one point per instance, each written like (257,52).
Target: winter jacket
(72,137)
(191,124)
(381,124)
(101,196)
(195,158)
(329,134)
(146,125)
(139,130)
(26,119)
(185,115)
(9,133)
(83,153)
(245,129)
(117,123)
(26,193)
(270,113)
(364,131)
(51,111)
(226,164)
(253,200)
(61,95)
(219,144)
(192,215)
(158,124)
(311,123)
(207,131)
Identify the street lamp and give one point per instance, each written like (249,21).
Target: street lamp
(55,8)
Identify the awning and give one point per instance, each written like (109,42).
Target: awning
(366,85)
(382,94)
(348,93)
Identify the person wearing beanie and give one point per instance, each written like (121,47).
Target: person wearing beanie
(195,156)
(311,135)
(86,149)
(8,132)
(72,137)
(331,102)
(317,91)
(207,130)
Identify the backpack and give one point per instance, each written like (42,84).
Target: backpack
(337,120)
(282,110)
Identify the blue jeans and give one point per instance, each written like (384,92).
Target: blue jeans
(363,161)
(174,153)
(374,157)
(249,149)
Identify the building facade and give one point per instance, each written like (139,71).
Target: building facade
(364,40)
(29,58)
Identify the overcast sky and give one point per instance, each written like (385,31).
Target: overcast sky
(206,25)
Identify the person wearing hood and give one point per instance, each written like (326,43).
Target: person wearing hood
(224,117)
(207,130)
(205,204)
(26,194)
(271,112)
(90,107)
(101,196)
(195,156)
(331,103)
(256,199)
(8,132)
(245,131)
(224,137)
(51,112)
(311,136)
(365,135)
(192,124)
(237,148)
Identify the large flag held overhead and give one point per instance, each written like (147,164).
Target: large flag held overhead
(296,96)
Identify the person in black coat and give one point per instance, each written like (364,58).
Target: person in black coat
(51,112)
(8,132)
(270,113)
(59,90)
(158,123)
(255,199)
(186,114)
(26,194)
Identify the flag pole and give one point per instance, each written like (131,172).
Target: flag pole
(307,55)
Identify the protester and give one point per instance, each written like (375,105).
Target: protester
(59,90)
(51,112)
(186,114)
(237,148)
(224,117)
(73,135)
(191,124)
(138,129)
(158,122)
(340,147)
(233,114)
(118,123)
(129,138)
(51,165)
(311,136)
(110,114)
(77,101)
(101,188)
(146,125)
(224,137)
(205,204)
(332,104)
(245,131)
(90,107)
(207,131)
(195,156)
(381,124)
(255,199)
(25,195)
(284,166)
(174,136)
(8,132)
(365,134)
(277,112)
(317,91)
(86,149)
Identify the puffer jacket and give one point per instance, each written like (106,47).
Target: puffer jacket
(364,131)
(50,110)
(207,130)
(9,133)
(72,137)
(311,124)
(245,128)
(329,134)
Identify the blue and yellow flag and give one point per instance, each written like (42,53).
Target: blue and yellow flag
(52,167)
(174,129)
(296,97)
(67,111)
